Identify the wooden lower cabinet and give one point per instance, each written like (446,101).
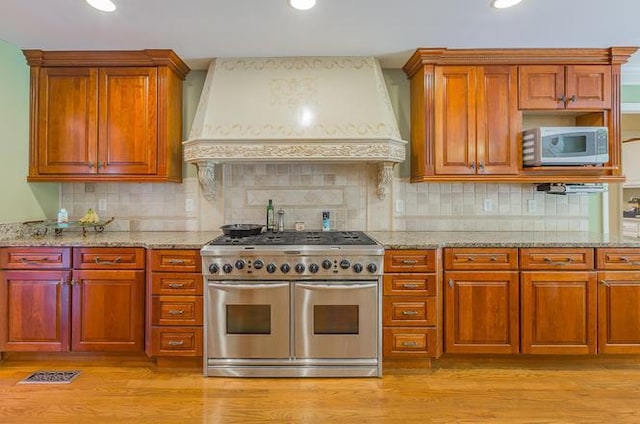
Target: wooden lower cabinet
(82,310)
(174,303)
(481,312)
(619,312)
(559,311)
(35,310)
(108,311)
(411,305)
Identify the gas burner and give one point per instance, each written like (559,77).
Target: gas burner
(298,238)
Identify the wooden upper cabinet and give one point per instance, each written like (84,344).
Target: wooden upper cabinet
(106,116)
(469,106)
(128,124)
(565,87)
(476,120)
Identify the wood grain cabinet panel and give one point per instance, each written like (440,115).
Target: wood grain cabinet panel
(35,258)
(412,304)
(623,259)
(565,87)
(559,311)
(494,259)
(108,258)
(174,303)
(561,258)
(34,309)
(619,311)
(476,121)
(106,116)
(481,312)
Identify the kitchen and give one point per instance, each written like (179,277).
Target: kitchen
(348,191)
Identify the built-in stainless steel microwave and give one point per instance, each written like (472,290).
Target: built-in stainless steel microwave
(565,146)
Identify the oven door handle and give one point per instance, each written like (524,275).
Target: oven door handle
(337,286)
(246,286)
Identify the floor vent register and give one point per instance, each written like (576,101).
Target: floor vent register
(50,377)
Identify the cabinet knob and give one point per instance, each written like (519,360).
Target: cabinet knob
(451,283)
(573,99)
(481,167)
(472,166)
(91,165)
(562,99)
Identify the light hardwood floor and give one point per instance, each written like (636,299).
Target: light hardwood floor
(455,390)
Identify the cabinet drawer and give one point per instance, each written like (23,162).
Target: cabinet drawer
(620,258)
(410,261)
(556,258)
(176,341)
(408,342)
(175,283)
(176,260)
(176,310)
(108,258)
(35,258)
(481,258)
(410,284)
(409,311)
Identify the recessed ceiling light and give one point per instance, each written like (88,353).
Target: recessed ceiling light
(302,4)
(503,4)
(104,5)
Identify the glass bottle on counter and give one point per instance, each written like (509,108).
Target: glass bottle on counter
(270,216)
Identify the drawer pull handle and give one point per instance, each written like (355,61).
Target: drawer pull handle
(33,262)
(113,262)
(177,261)
(550,261)
(410,286)
(176,342)
(410,313)
(409,344)
(176,285)
(409,261)
(494,259)
(176,312)
(470,259)
(605,283)
(628,261)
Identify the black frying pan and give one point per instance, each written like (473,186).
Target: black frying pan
(241,230)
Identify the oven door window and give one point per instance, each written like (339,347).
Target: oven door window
(248,319)
(336,319)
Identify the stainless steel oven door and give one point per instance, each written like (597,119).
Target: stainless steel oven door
(336,320)
(248,320)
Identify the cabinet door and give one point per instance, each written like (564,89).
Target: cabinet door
(455,120)
(128,121)
(541,87)
(558,312)
(481,312)
(588,87)
(107,311)
(497,120)
(66,122)
(630,168)
(35,310)
(619,312)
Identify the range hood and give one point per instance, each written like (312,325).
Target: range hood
(292,109)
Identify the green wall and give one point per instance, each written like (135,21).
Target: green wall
(21,201)
(630,94)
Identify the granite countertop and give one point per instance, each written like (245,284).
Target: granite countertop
(148,239)
(389,239)
(429,239)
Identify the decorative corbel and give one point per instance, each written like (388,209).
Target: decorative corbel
(385,178)
(207,179)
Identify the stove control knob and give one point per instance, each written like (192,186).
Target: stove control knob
(227,268)
(240,264)
(285,268)
(314,268)
(271,268)
(345,264)
(300,268)
(372,268)
(213,269)
(258,264)
(326,264)
(357,268)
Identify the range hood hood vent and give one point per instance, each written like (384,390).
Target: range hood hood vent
(320,109)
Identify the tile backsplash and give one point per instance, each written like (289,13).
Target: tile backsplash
(348,191)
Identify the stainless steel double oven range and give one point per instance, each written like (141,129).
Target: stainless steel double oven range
(293,304)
